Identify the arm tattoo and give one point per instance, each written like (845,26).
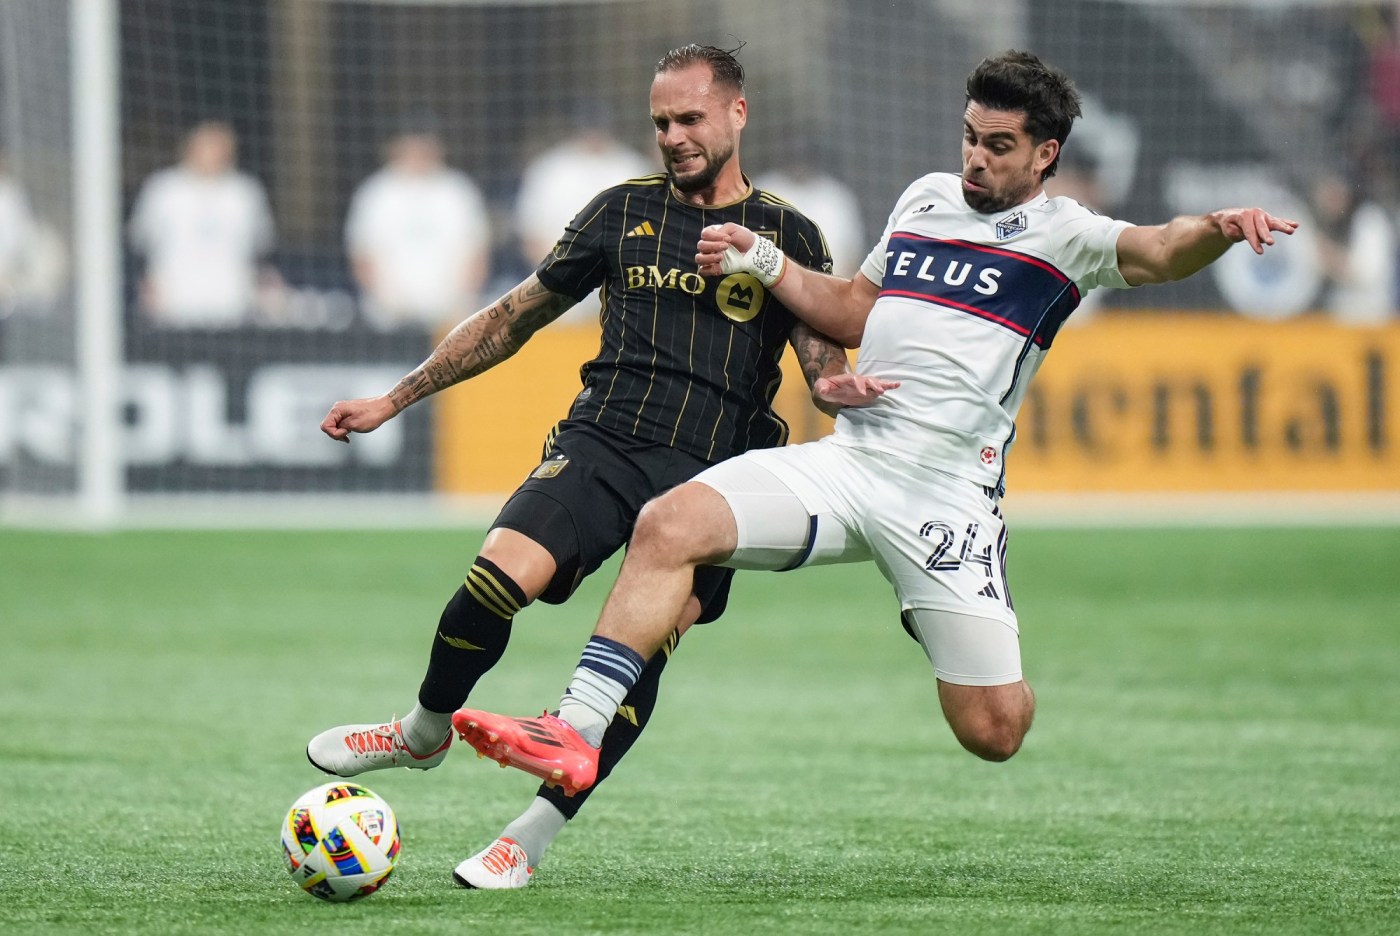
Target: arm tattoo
(818,354)
(819,357)
(483,341)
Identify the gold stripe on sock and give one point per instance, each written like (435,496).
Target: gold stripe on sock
(490,581)
(482,592)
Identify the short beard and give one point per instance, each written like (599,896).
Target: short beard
(989,203)
(703,179)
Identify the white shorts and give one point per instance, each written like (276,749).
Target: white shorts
(938,539)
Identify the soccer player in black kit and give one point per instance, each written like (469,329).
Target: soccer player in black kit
(685,378)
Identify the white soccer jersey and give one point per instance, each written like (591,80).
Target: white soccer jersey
(202,236)
(422,233)
(969,304)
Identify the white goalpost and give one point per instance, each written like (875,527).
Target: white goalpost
(97,240)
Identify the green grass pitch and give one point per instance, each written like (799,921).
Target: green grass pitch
(1217,748)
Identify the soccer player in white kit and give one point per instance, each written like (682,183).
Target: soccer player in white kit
(953,312)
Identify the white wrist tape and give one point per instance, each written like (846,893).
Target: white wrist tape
(764,260)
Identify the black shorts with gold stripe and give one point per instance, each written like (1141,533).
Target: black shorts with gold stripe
(582,501)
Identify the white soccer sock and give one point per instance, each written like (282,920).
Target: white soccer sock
(606,672)
(423,730)
(535,829)
(590,703)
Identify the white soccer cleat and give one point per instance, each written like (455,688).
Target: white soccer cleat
(503,865)
(350,750)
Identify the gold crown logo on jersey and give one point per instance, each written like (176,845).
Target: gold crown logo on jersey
(740,296)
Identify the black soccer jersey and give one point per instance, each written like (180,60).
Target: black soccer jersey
(686,360)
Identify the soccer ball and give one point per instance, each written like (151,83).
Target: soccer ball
(341,841)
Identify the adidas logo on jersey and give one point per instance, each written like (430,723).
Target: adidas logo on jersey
(642,230)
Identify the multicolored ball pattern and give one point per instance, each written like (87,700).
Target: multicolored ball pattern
(341,841)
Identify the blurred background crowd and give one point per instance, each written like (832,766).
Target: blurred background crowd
(312,191)
(317,164)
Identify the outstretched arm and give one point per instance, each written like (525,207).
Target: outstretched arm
(1164,252)
(476,345)
(833,305)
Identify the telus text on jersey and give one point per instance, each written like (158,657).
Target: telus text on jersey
(955,273)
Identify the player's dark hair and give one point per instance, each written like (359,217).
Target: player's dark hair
(723,65)
(1020,81)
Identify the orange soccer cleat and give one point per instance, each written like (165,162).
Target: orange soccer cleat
(547,747)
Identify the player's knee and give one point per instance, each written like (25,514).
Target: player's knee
(530,565)
(659,534)
(993,742)
(671,531)
(995,732)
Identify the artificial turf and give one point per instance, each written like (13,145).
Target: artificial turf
(1217,747)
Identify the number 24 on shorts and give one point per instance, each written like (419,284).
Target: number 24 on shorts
(944,538)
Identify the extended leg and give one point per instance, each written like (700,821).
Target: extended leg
(689,525)
(470,638)
(692,525)
(472,634)
(510,861)
(623,731)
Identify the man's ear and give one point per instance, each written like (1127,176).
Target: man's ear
(741,112)
(1045,154)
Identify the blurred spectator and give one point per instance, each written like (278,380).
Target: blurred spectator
(1098,172)
(33,259)
(558,182)
(16,234)
(1384,79)
(1077,177)
(830,203)
(561,180)
(1357,249)
(418,234)
(1283,282)
(203,227)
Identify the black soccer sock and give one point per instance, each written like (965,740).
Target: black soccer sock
(623,731)
(471,636)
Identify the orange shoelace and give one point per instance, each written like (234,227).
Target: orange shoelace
(499,858)
(382,738)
